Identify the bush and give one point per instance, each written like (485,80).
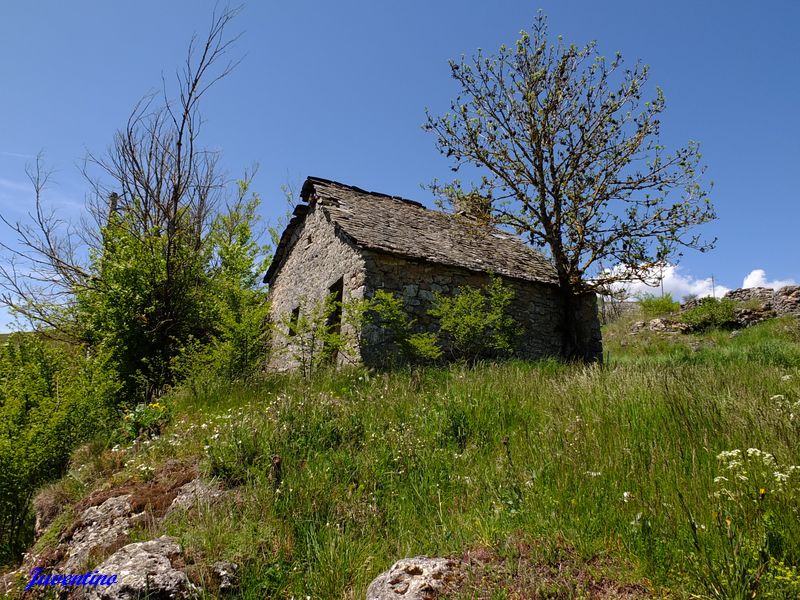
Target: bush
(51,399)
(655,306)
(475,324)
(147,419)
(397,341)
(710,314)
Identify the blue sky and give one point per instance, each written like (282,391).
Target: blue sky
(339,90)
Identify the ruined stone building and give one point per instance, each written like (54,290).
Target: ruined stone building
(349,242)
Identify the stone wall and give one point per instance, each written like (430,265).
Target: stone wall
(317,260)
(318,257)
(535,306)
(784,301)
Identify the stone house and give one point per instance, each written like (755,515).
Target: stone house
(350,242)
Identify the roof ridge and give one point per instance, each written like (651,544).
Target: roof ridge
(313,178)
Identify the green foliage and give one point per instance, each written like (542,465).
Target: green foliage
(657,306)
(164,302)
(240,334)
(711,313)
(393,339)
(145,419)
(234,456)
(475,324)
(320,334)
(51,399)
(542,466)
(441,460)
(151,295)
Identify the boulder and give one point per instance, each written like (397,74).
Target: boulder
(144,570)
(418,578)
(226,575)
(99,527)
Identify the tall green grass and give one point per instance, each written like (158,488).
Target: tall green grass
(608,460)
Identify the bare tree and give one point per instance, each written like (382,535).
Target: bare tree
(43,268)
(568,156)
(155,173)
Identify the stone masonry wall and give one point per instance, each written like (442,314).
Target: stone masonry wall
(535,306)
(316,262)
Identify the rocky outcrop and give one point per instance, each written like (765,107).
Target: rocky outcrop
(195,493)
(99,527)
(144,570)
(104,519)
(418,578)
(227,576)
(660,324)
(745,317)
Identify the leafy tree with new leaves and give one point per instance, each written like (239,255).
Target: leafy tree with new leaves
(568,155)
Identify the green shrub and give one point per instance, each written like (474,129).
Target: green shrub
(711,313)
(657,306)
(145,419)
(474,323)
(394,339)
(318,334)
(52,398)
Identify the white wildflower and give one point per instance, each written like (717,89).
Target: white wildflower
(720,479)
(626,496)
(728,454)
(780,477)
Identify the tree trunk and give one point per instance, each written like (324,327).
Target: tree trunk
(579,327)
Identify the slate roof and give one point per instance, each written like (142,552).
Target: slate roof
(406,228)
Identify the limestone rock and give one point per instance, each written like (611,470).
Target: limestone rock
(784,301)
(690,304)
(99,526)
(660,324)
(144,570)
(194,493)
(226,573)
(418,578)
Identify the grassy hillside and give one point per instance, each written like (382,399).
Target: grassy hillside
(558,480)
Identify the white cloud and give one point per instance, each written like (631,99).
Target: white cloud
(758,278)
(676,283)
(15,186)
